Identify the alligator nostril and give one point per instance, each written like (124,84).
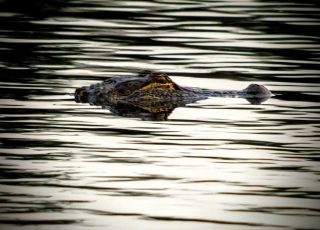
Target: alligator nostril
(257,90)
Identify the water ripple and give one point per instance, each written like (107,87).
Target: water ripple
(218,163)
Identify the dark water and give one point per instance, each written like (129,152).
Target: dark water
(220,163)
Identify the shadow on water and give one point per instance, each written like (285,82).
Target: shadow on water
(218,163)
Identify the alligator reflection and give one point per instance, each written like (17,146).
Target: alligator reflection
(154,112)
(158,111)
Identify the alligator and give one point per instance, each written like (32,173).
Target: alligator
(153,95)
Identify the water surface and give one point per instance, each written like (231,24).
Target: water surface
(220,163)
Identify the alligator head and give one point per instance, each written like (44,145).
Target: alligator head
(146,86)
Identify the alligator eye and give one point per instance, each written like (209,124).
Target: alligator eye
(160,78)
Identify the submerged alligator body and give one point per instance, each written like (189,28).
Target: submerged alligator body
(153,95)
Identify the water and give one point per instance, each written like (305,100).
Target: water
(219,163)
